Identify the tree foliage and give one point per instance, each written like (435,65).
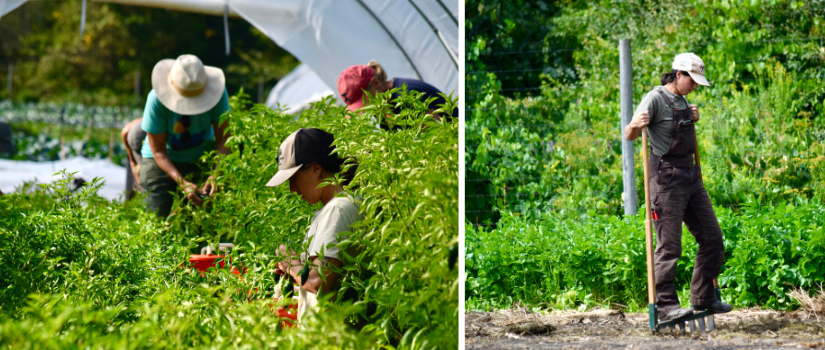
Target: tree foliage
(54,63)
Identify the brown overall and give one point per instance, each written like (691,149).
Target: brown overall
(678,195)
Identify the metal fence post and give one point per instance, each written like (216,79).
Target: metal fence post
(628,164)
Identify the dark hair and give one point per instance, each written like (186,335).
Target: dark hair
(670,77)
(334,164)
(329,161)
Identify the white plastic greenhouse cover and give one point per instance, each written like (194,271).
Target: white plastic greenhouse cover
(298,89)
(16,172)
(7,6)
(410,38)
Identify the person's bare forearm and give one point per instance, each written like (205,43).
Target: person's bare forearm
(167,166)
(314,282)
(631,133)
(221,135)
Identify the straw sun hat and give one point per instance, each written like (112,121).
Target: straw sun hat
(186,86)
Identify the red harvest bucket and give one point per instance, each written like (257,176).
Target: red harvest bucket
(204,262)
(205,259)
(290,312)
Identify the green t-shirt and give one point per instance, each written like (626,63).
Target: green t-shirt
(187,137)
(661,117)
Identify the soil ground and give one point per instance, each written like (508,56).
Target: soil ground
(612,329)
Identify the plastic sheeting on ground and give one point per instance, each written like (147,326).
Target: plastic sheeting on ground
(298,89)
(14,173)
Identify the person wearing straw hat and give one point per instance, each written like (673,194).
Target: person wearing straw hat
(182,122)
(306,159)
(372,78)
(677,193)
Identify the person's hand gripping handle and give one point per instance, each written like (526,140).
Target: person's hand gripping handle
(694,109)
(636,125)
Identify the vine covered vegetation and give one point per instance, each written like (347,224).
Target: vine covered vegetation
(545,204)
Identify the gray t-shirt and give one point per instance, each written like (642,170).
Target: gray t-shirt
(135,138)
(661,117)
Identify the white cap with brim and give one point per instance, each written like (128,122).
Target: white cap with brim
(286,162)
(692,64)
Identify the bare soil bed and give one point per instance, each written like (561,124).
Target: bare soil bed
(612,329)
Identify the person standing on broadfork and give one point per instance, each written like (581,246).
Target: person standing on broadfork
(182,122)
(677,193)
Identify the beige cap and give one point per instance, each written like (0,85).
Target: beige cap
(302,147)
(692,64)
(286,162)
(186,86)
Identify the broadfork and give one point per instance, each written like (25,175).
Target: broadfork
(704,317)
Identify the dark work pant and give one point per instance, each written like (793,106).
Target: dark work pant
(157,184)
(678,196)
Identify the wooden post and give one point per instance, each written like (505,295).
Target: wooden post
(628,152)
(89,127)
(260,89)
(651,275)
(10,78)
(112,132)
(62,137)
(137,84)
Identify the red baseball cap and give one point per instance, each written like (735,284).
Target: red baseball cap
(350,83)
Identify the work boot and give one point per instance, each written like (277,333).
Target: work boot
(675,314)
(717,308)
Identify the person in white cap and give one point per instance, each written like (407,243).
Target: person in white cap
(306,160)
(182,122)
(677,193)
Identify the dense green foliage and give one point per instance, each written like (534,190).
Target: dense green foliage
(598,261)
(543,133)
(78,271)
(54,63)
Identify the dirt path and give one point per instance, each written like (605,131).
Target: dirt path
(609,329)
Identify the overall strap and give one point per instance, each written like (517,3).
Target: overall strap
(667,99)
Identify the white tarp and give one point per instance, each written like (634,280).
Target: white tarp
(14,173)
(331,35)
(298,89)
(410,38)
(7,6)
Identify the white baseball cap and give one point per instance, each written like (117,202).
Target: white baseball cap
(692,64)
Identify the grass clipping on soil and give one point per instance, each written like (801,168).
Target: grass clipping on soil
(811,305)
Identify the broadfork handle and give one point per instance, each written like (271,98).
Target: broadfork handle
(651,276)
(696,153)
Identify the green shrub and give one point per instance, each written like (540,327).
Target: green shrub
(568,261)
(79,271)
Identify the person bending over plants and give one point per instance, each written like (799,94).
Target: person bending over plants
(132,136)
(372,78)
(677,193)
(307,161)
(182,122)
